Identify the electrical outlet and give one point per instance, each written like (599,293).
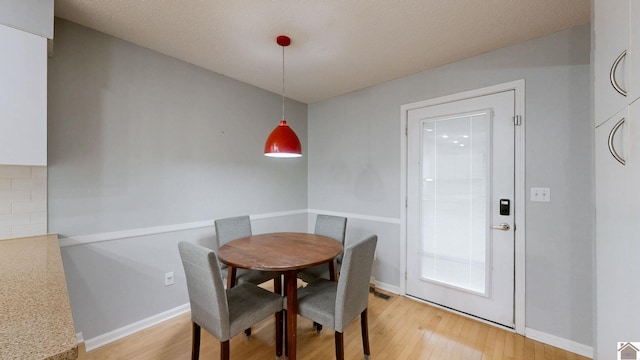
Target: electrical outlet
(541,194)
(168,279)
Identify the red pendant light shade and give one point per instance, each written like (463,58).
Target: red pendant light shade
(283,142)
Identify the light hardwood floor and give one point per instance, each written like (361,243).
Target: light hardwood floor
(399,328)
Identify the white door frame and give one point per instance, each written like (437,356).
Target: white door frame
(519,187)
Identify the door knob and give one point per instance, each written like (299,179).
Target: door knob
(503,227)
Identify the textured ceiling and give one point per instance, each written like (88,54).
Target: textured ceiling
(337,46)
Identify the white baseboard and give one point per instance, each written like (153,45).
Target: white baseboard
(104,339)
(564,344)
(386,287)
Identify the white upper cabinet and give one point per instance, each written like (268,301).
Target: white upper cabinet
(33,16)
(634,50)
(611,29)
(23,98)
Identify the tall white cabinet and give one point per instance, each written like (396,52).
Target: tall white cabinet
(25,26)
(617,165)
(23,98)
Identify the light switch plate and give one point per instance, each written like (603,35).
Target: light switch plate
(168,279)
(540,194)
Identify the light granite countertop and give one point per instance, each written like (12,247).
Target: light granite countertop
(35,315)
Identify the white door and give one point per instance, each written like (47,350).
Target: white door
(460,205)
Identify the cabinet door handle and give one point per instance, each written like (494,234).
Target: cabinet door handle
(612,149)
(612,74)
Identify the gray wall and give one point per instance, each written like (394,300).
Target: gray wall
(139,140)
(359,134)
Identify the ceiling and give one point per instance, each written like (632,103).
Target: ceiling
(338,46)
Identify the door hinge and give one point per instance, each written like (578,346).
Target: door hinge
(406,202)
(406,131)
(517,120)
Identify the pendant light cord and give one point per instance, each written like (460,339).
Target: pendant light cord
(283,83)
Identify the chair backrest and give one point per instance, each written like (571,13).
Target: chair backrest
(353,285)
(333,227)
(232,228)
(207,296)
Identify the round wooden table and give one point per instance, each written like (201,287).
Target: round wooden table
(287,253)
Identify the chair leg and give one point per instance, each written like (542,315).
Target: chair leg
(279,325)
(277,285)
(364,324)
(339,345)
(284,323)
(195,342)
(286,338)
(318,327)
(224,350)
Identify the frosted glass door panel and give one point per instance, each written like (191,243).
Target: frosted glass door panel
(455,152)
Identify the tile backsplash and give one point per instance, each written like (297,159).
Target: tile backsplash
(23,201)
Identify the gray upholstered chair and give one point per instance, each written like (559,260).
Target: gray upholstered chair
(336,304)
(224,313)
(233,228)
(333,227)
